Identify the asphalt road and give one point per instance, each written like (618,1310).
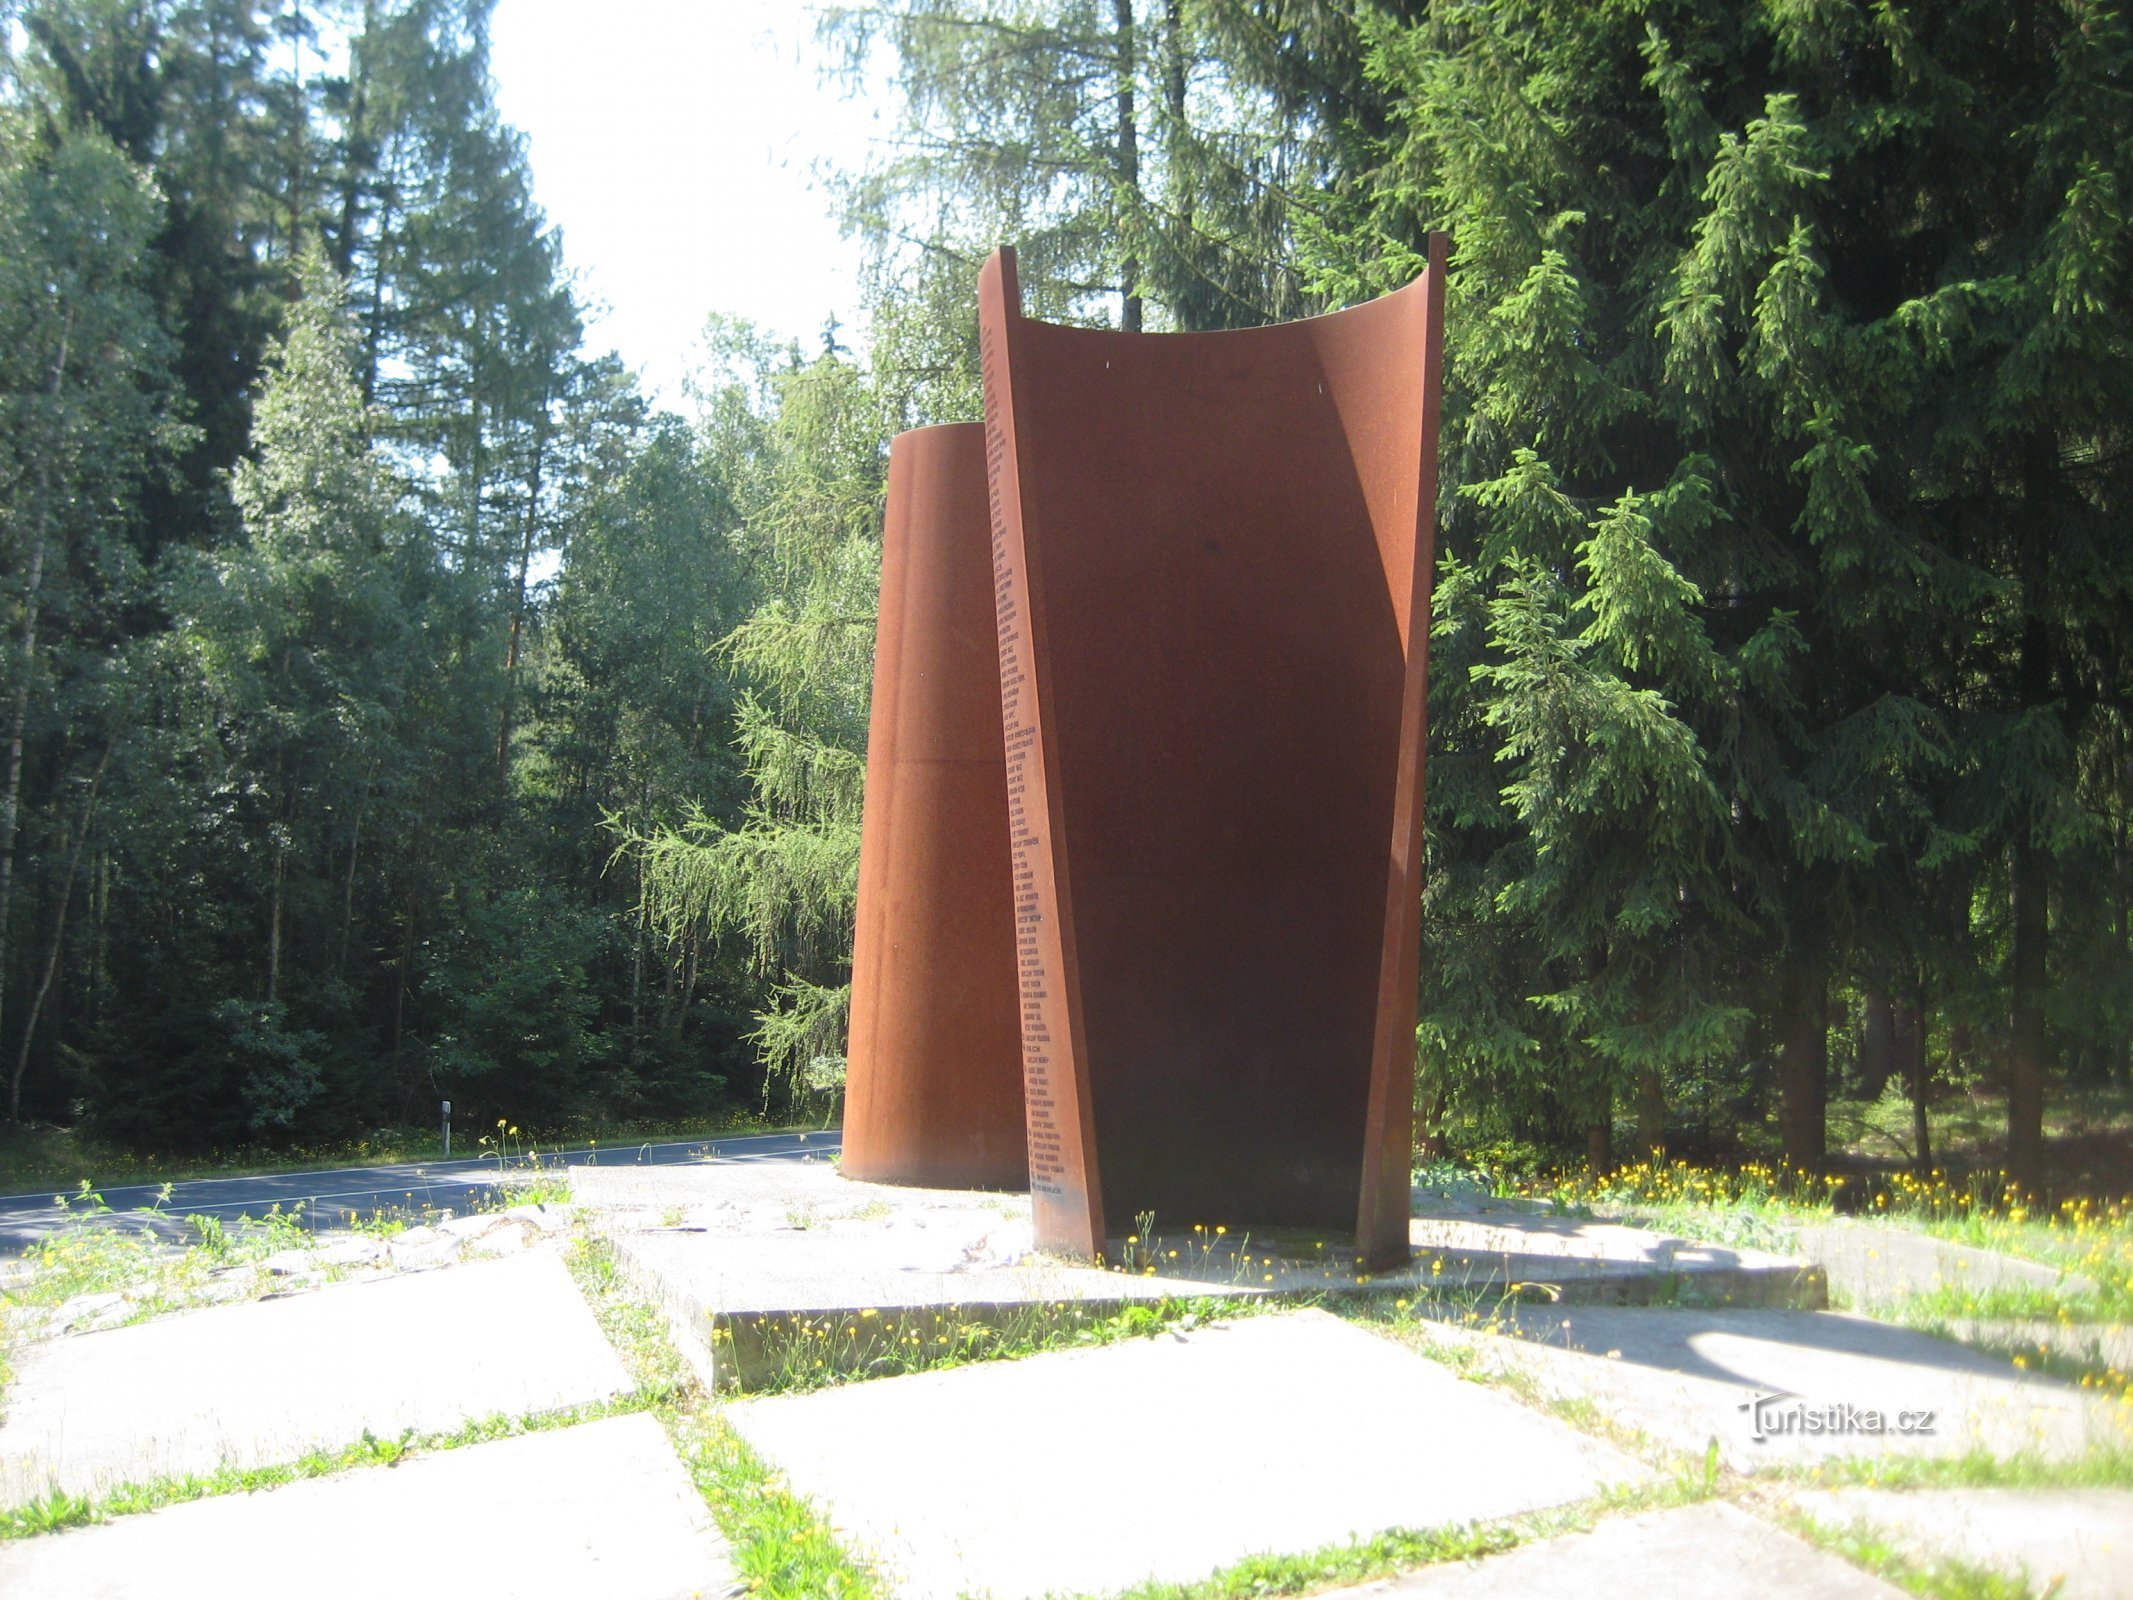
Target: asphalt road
(336,1196)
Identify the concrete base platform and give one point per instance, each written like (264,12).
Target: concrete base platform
(2073,1544)
(264,1382)
(1787,1387)
(1703,1552)
(603,1509)
(744,1257)
(1085,1471)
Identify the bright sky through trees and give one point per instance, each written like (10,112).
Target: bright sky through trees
(675,143)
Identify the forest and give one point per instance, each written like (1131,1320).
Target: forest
(398,706)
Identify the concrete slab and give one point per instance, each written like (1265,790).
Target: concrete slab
(2074,1544)
(1654,1555)
(740,1255)
(1784,1387)
(1873,1266)
(1165,1458)
(267,1381)
(604,1509)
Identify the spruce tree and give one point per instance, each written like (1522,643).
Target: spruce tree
(1782,516)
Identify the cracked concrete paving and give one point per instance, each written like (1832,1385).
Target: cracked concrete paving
(265,1382)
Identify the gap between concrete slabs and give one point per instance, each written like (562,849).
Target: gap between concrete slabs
(600,1510)
(2074,1544)
(1084,1471)
(1697,1552)
(265,1382)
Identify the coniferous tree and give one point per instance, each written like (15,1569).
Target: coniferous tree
(305,636)
(85,423)
(1753,315)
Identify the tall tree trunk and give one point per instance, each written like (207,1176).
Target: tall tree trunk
(59,937)
(348,883)
(1803,1070)
(2025,1044)
(407,960)
(1430,1143)
(1600,1135)
(281,876)
(2030,876)
(1920,1075)
(100,961)
(374,322)
(297,165)
(2123,860)
(1878,1045)
(19,712)
(518,603)
(1129,165)
(637,944)
(1651,1113)
(358,157)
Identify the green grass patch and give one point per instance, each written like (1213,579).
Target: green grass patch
(2011,1303)
(100,1252)
(1944,1579)
(58,1510)
(1765,1206)
(780,1547)
(2100,1467)
(792,1355)
(1388,1554)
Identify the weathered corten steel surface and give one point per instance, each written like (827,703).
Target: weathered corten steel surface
(1212,558)
(934,1088)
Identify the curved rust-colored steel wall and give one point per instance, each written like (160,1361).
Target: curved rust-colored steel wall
(1212,560)
(934,1088)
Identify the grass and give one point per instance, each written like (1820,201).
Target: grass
(1934,1580)
(2089,1242)
(1764,1207)
(779,1546)
(102,1255)
(794,1355)
(109,1257)
(1364,1560)
(2101,1467)
(58,1511)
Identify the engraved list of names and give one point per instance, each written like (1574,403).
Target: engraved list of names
(1058,1179)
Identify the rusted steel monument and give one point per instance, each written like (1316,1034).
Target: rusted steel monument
(934,1090)
(1210,560)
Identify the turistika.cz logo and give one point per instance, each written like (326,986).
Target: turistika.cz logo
(1778,1414)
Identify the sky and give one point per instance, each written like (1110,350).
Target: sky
(675,143)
